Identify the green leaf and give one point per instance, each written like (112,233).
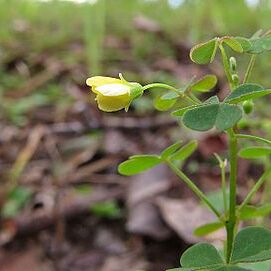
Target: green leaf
(164,104)
(252,244)
(15,201)
(185,151)
(205,84)
(254,152)
(260,45)
(234,44)
(108,209)
(223,116)
(246,92)
(180,112)
(138,163)
(208,228)
(171,149)
(228,116)
(170,96)
(251,212)
(204,53)
(231,268)
(200,256)
(245,43)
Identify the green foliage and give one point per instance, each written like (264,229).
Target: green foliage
(252,212)
(246,92)
(252,244)
(208,228)
(17,198)
(254,152)
(205,84)
(171,149)
(139,163)
(109,209)
(204,53)
(201,256)
(219,115)
(184,152)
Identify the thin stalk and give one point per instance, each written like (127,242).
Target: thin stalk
(165,86)
(249,69)
(252,137)
(194,188)
(224,189)
(231,223)
(255,188)
(226,64)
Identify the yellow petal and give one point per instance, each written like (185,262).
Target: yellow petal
(113,90)
(97,81)
(111,104)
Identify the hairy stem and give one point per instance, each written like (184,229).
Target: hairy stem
(255,188)
(194,188)
(231,222)
(249,69)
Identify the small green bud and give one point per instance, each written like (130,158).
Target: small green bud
(248,106)
(233,64)
(243,124)
(235,79)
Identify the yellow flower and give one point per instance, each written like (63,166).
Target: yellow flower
(113,94)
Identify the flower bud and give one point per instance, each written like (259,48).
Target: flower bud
(113,94)
(235,79)
(248,106)
(233,64)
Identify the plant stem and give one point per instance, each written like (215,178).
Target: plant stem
(231,223)
(257,138)
(165,86)
(194,188)
(160,85)
(226,65)
(255,188)
(249,69)
(224,189)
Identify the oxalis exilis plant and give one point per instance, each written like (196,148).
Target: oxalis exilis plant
(242,247)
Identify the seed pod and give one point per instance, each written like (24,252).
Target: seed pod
(248,106)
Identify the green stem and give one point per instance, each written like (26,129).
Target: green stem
(257,138)
(165,86)
(226,64)
(231,223)
(224,189)
(255,188)
(160,85)
(249,69)
(194,188)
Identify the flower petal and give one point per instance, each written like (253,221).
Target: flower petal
(111,104)
(113,90)
(97,81)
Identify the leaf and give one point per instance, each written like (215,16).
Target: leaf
(180,112)
(138,163)
(223,116)
(252,244)
(245,43)
(164,104)
(231,268)
(171,149)
(228,116)
(246,92)
(170,96)
(205,84)
(204,53)
(234,44)
(185,151)
(16,199)
(260,45)
(254,152)
(208,228)
(201,255)
(251,212)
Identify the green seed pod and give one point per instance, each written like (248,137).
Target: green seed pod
(233,64)
(248,106)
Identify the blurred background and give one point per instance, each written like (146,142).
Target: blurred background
(63,205)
